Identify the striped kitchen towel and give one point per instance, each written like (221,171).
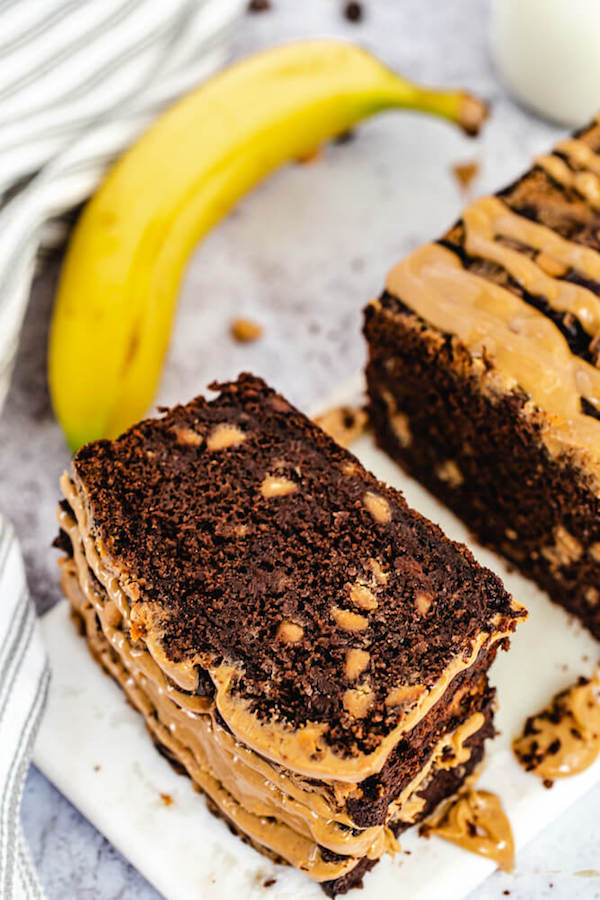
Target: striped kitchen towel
(79,80)
(24,679)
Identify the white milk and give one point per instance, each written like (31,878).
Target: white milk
(548,52)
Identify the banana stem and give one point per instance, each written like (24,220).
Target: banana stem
(464,109)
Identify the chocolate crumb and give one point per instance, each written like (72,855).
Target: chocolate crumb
(506,893)
(313,156)
(244,330)
(465,173)
(255,6)
(269,882)
(345,137)
(354,12)
(62,541)
(166,799)
(344,424)
(548,783)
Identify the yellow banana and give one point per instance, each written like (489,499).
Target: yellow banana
(118,287)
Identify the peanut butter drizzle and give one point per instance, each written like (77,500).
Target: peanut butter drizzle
(586,177)
(477,822)
(564,738)
(303,751)
(506,223)
(526,347)
(584,182)
(580,154)
(480,221)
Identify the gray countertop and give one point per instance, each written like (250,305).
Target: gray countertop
(300,256)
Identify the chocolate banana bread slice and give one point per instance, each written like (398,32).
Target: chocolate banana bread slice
(483,373)
(308,649)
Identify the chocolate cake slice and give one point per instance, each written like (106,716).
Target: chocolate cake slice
(312,652)
(483,373)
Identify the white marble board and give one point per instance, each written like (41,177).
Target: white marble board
(96,750)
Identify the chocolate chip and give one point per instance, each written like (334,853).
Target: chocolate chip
(354,12)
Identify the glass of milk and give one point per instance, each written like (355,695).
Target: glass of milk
(548,53)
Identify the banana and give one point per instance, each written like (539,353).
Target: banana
(118,287)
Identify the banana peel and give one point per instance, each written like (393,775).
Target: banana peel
(119,283)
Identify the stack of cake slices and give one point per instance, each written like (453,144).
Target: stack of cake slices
(483,371)
(309,650)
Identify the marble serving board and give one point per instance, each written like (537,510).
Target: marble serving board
(95,749)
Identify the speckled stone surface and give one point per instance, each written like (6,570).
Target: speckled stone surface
(300,256)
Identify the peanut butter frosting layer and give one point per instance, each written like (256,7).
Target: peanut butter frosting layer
(328,616)
(323,805)
(267,833)
(518,282)
(261,802)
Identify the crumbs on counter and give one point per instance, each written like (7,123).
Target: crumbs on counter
(345,137)
(344,424)
(269,882)
(313,156)
(465,173)
(259,5)
(548,783)
(587,873)
(166,799)
(564,738)
(245,331)
(354,11)
(96,768)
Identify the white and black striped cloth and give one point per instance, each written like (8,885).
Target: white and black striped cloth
(24,677)
(79,80)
